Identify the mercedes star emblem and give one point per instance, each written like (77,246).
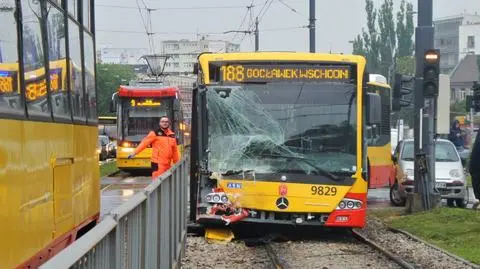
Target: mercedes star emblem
(282,203)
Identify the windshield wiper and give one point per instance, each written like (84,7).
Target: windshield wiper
(236,172)
(317,169)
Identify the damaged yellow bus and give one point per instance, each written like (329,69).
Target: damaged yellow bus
(278,138)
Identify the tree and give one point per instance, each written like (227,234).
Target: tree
(387,38)
(390,48)
(383,47)
(109,78)
(406,65)
(405,29)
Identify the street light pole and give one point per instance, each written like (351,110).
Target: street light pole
(312,25)
(256,35)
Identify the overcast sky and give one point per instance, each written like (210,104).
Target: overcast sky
(338,21)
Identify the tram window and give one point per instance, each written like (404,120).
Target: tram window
(90,78)
(10,98)
(76,83)
(57,63)
(73,8)
(86,14)
(33,60)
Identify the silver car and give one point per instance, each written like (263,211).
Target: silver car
(449,173)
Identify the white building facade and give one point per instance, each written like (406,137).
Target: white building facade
(184,52)
(448,38)
(130,56)
(469,39)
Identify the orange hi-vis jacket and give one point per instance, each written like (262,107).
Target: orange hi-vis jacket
(164,147)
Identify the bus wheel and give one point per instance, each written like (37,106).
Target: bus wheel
(395,196)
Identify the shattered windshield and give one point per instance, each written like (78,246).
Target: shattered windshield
(299,128)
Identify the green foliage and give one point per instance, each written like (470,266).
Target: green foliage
(109,78)
(108,168)
(387,36)
(405,29)
(406,65)
(459,107)
(389,45)
(455,230)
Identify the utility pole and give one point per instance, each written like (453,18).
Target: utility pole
(256,34)
(312,25)
(425,196)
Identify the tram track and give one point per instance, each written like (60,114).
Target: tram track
(326,250)
(362,238)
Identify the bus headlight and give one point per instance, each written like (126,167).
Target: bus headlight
(216,198)
(347,204)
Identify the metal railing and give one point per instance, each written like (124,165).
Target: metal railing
(148,231)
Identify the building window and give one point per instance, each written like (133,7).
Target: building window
(90,88)
(10,99)
(75,61)
(33,60)
(471,42)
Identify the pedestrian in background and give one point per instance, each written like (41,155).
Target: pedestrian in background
(474,169)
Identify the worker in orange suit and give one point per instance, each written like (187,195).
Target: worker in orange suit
(164,148)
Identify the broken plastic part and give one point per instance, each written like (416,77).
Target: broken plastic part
(235,217)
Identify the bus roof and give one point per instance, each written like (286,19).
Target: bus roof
(140,91)
(283,56)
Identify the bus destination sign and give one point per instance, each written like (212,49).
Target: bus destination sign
(231,73)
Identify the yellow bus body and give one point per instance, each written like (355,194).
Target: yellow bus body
(261,195)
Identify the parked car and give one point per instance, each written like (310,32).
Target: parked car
(450,176)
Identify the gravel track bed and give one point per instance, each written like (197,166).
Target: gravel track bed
(413,252)
(201,254)
(329,254)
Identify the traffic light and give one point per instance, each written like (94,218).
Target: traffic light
(476,96)
(399,90)
(431,72)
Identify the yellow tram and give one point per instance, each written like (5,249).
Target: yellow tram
(49,176)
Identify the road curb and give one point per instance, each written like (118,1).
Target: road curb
(415,238)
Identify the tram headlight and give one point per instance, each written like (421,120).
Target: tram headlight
(224,199)
(216,198)
(348,204)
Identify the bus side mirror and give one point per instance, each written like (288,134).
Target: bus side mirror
(373,108)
